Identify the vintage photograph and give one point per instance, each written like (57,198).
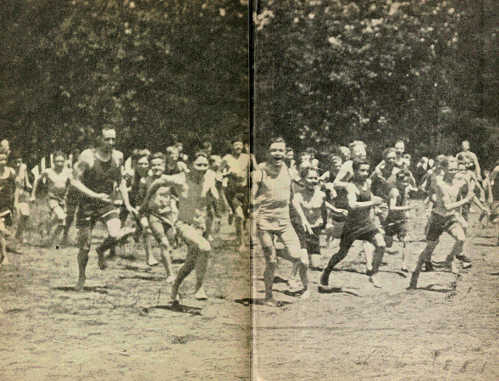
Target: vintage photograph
(124,190)
(249,190)
(375,223)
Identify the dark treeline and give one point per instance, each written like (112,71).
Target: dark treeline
(337,70)
(157,70)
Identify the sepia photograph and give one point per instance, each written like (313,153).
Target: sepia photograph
(124,190)
(254,190)
(375,223)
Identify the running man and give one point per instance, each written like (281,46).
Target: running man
(396,222)
(236,166)
(97,175)
(57,180)
(359,225)
(445,216)
(310,204)
(160,214)
(271,195)
(465,145)
(196,190)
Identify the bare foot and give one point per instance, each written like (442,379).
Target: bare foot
(271,302)
(152,262)
(201,294)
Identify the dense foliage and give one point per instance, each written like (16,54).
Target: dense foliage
(337,70)
(157,70)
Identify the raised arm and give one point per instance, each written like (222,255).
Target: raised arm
(164,180)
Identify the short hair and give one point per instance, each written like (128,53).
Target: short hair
(335,152)
(157,155)
(140,153)
(399,141)
(465,141)
(304,171)
(388,151)
(236,139)
(404,173)
(357,143)
(59,153)
(200,154)
(312,151)
(357,164)
(277,139)
(107,127)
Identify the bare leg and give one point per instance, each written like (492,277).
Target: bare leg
(84,239)
(150,260)
(201,266)
(403,267)
(185,270)
(166,260)
(425,254)
(3,251)
(82,266)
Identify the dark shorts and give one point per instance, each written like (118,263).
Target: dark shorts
(238,197)
(88,215)
(365,233)
(311,242)
(439,224)
(394,228)
(72,198)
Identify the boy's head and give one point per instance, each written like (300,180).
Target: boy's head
(157,164)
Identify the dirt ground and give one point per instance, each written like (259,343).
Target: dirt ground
(120,328)
(437,332)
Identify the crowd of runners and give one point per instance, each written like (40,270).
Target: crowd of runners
(284,205)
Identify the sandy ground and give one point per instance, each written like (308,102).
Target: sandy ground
(437,332)
(119,328)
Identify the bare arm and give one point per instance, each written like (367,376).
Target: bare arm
(447,203)
(164,180)
(36,184)
(393,202)
(354,204)
(256,178)
(339,182)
